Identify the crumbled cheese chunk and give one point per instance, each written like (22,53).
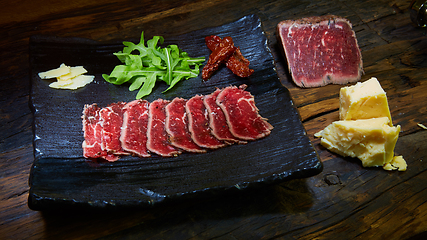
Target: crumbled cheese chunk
(370,140)
(397,163)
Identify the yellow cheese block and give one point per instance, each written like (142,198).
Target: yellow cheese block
(371,140)
(363,101)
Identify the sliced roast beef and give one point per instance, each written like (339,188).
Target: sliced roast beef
(157,137)
(198,120)
(167,128)
(111,118)
(217,121)
(321,50)
(134,129)
(92,130)
(241,113)
(177,126)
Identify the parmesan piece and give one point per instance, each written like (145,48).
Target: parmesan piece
(74,72)
(67,77)
(60,84)
(57,72)
(73,84)
(422,126)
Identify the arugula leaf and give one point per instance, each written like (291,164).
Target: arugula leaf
(144,65)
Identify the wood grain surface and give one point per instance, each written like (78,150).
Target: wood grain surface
(345,201)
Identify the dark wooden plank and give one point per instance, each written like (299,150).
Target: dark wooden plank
(344,201)
(324,206)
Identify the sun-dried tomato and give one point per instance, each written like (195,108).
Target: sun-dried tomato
(212,42)
(237,63)
(219,56)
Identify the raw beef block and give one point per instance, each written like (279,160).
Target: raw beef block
(321,50)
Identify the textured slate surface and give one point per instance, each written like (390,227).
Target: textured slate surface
(61,177)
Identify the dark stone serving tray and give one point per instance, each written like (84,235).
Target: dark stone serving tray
(61,178)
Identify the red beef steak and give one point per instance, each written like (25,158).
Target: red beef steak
(321,50)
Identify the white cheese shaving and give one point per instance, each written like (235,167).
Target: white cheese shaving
(75,83)
(74,72)
(67,77)
(57,72)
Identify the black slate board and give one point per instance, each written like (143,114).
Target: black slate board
(61,177)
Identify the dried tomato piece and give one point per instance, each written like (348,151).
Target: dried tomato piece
(219,56)
(237,63)
(212,42)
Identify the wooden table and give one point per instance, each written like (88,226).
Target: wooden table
(345,201)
